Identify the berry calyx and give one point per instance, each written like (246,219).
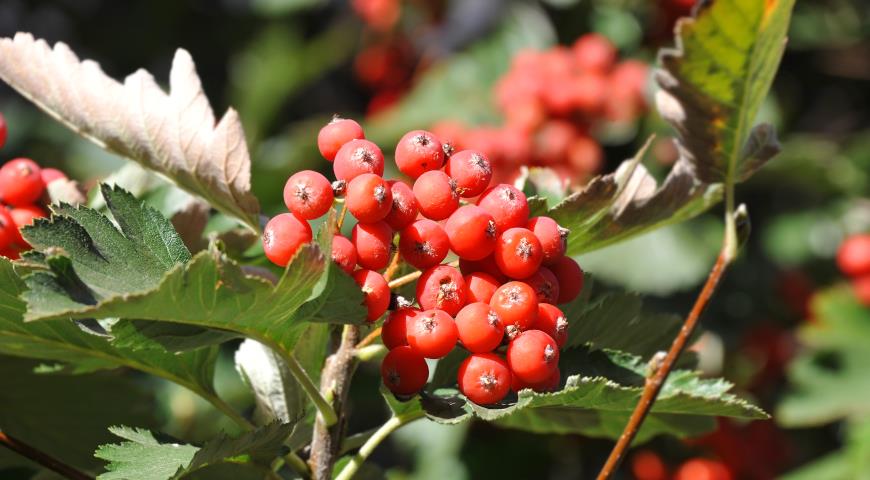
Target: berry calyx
(376,292)
(518,253)
(405,209)
(394,332)
(423,244)
(480,329)
(553,238)
(369,198)
(533,356)
(472,232)
(20,182)
(570,277)
(436,195)
(404,371)
(507,205)
(308,194)
(516,305)
(357,157)
(283,236)
(373,243)
(432,333)
(472,172)
(344,253)
(480,287)
(335,134)
(484,378)
(442,288)
(417,152)
(553,322)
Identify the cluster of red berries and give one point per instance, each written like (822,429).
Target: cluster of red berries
(853,258)
(22,197)
(512,269)
(553,102)
(648,465)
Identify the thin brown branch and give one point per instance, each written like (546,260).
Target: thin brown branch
(654,383)
(42,458)
(394,265)
(371,337)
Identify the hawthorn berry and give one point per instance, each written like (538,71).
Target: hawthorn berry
(283,236)
(853,256)
(423,244)
(507,205)
(472,172)
(373,243)
(545,284)
(550,384)
(376,291)
(369,198)
(484,378)
(518,253)
(432,333)
(404,210)
(436,195)
(480,330)
(472,232)
(8,229)
(51,174)
(308,194)
(516,305)
(553,322)
(570,277)
(441,287)
(417,152)
(648,465)
(343,253)
(24,216)
(533,356)
(20,182)
(3,130)
(480,287)
(553,238)
(335,134)
(702,469)
(394,332)
(357,157)
(404,371)
(594,53)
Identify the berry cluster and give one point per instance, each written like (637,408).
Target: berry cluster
(22,197)
(853,258)
(553,103)
(648,465)
(499,304)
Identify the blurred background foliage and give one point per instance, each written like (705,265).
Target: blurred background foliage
(782,325)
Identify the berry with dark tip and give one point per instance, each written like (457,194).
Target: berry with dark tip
(404,371)
(484,378)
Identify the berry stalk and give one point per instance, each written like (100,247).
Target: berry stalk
(390,426)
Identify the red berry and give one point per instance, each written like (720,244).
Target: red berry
(853,256)
(648,465)
(553,238)
(357,157)
(343,253)
(480,287)
(484,378)
(472,172)
(8,230)
(394,332)
(545,284)
(550,384)
(283,236)
(436,195)
(507,205)
(553,322)
(423,244)
(570,277)
(861,287)
(702,469)
(308,194)
(417,152)
(480,329)
(3,130)
(594,52)
(432,333)
(335,134)
(369,198)
(404,371)
(373,242)
(533,356)
(486,265)
(376,291)
(51,174)
(516,305)
(443,288)
(20,182)
(518,253)
(404,210)
(24,216)
(471,232)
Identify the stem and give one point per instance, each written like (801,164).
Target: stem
(326,412)
(226,409)
(334,384)
(42,458)
(371,337)
(298,464)
(394,265)
(382,433)
(405,279)
(654,382)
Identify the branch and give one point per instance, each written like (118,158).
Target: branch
(654,383)
(390,426)
(42,458)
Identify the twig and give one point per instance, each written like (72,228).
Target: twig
(334,384)
(371,337)
(42,458)
(394,265)
(390,426)
(405,279)
(654,383)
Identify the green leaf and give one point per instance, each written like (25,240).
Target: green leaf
(829,378)
(261,445)
(715,79)
(850,462)
(276,393)
(142,456)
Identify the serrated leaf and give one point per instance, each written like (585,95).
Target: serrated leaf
(175,134)
(261,445)
(715,79)
(629,201)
